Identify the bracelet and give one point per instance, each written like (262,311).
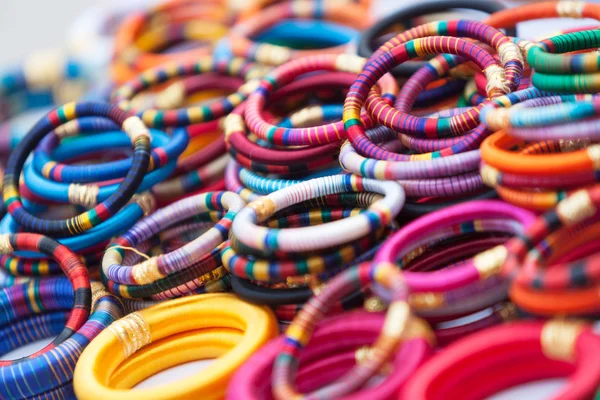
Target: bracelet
(536,350)
(141,36)
(140,138)
(57,363)
(284,75)
(144,327)
(302,239)
(195,114)
(367,47)
(321,358)
(72,268)
(298,334)
(269,54)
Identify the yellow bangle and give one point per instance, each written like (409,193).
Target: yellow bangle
(201,344)
(189,314)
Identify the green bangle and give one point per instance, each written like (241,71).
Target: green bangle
(546,56)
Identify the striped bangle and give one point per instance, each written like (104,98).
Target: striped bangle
(24,379)
(195,114)
(140,138)
(73,269)
(379,214)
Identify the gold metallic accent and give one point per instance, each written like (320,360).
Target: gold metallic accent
(350,63)
(559,337)
(69,128)
(419,328)
(508,312)
(570,8)
(134,127)
(5,246)
(146,202)
(398,315)
(495,79)
(83,195)
(172,97)
(375,304)
(316,286)
(146,272)
(576,208)
(234,123)
(132,331)
(426,300)
(490,262)
(593,152)
(489,175)
(98,291)
(411,255)
(264,207)
(306,117)
(510,51)
(364,353)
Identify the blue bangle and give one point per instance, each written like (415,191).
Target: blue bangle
(307,34)
(264,185)
(164,150)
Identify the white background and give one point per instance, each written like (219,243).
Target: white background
(27,25)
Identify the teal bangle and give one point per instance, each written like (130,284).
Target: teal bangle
(544,57)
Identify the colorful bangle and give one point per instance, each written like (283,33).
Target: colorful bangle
(140,138)
(142,328)
(359,330)
(269,54)
(303,239)
(542,59)
(550,344)
(73,269)
(24,379)
(195,114)
(367,47)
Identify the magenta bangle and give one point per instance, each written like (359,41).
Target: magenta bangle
(332,342)
(481,267)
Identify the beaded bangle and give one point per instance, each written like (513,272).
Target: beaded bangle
(537,351)
(284,75)
(303,239)
(139,329)
(141,34)
(140,138)
(300,331)
(73,269)
(195,114)
(269,54)
(366,46)
(359,330)
(481,267)
(52,372)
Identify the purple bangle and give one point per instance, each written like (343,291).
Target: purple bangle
(443,187)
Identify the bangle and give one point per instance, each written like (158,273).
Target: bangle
(367,47)
(144,327)
(195,114)
(541,59)
(282,76)
(481,267)
(72,268)
(360,329)
(269,54)
(140,138)
(28,263)
(413,210)
(301,329)
(540,347)
(56,364)
(302,239)
(142,35)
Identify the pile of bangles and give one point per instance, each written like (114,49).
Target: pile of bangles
(320,203)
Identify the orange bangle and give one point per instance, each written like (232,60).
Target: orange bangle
(510,17)
(550,303)
(494,152)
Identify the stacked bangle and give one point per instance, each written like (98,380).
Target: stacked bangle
(156,272)
(50,374)
(73,269)
(265,53)
(536,350)
(140,330)
(194,114)
(322,362)
(142,35)
(140,139)
(367,44)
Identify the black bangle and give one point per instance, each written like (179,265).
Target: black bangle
(367,45)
